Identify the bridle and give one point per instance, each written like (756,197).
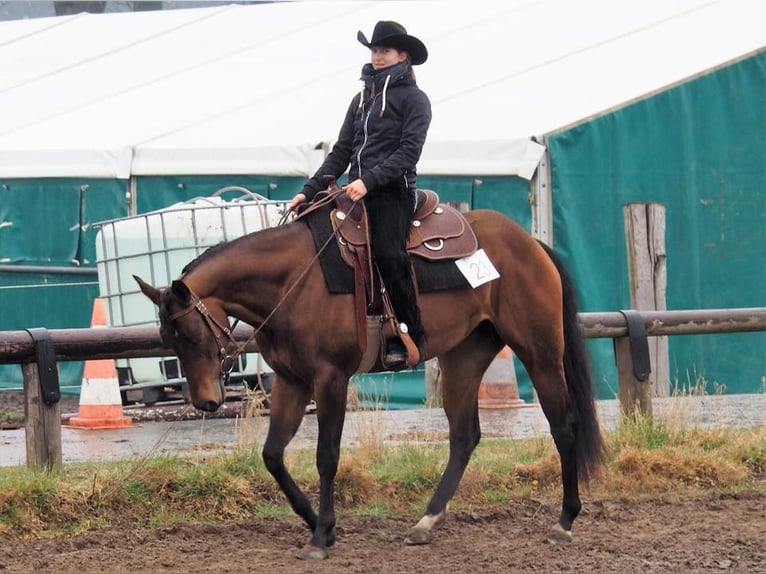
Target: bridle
(217,329)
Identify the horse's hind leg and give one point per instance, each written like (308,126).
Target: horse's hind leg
(552,348)
(462,368)
(551,388)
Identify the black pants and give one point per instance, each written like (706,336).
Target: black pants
(389,211)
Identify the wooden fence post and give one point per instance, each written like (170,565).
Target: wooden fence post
(433,383)
(42,423)
(647,272)
(635,395)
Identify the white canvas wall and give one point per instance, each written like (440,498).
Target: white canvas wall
(255,89)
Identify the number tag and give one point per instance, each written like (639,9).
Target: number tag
(477,268)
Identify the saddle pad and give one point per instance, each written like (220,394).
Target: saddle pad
(339,277)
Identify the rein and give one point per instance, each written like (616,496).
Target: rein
(216,328)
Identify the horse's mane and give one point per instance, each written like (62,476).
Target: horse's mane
(216,249)
(204,255)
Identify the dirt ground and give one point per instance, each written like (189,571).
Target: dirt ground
(711,533)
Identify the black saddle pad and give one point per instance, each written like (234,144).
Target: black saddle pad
(339,277)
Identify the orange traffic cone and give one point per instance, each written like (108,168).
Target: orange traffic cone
(100,402)
(498,388)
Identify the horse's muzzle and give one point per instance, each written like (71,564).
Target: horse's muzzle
(208,406)
(211,401)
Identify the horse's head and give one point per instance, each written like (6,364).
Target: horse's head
(197,332)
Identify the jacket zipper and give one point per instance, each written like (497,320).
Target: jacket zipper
(364,143)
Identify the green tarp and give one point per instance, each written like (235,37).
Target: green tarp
(49,222)
(700,150)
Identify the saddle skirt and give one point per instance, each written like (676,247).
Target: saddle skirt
(438,232)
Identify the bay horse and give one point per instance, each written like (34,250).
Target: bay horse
(272,280)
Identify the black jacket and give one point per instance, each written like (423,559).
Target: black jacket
(382,138)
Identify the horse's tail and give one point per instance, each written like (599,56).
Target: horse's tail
(589,442)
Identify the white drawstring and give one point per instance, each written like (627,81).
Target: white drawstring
(385,87)
(361,97)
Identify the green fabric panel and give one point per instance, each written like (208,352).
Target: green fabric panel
(100,200)
(156,192)
(286,188)
(50,301)
(699,149)
(507,194)
(50,221)
(391,391)
(46,300)
(450,189)
(40,221)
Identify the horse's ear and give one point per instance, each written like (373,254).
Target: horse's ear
(181,291)
(152,293)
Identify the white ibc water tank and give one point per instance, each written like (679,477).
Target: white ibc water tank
(156,246)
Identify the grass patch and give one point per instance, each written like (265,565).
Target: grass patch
(11,419)
(646,457)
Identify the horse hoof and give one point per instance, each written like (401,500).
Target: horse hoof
(418,536)
(558,535)
(309,552)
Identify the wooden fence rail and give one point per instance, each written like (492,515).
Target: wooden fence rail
(17,347)
(43,432)
(691,322)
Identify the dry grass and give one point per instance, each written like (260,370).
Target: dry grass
(646,457)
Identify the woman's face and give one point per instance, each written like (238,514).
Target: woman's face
(383,57)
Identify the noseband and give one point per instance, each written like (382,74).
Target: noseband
(215,327)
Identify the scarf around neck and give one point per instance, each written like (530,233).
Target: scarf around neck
(377,81)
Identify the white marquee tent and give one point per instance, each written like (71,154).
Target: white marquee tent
(257,89)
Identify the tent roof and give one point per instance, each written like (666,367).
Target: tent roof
(256,89)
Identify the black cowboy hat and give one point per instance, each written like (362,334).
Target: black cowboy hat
(393,35)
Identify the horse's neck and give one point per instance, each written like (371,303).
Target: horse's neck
(246,275)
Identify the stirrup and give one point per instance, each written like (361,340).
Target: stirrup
(413,351)
(399,349)
(396,354)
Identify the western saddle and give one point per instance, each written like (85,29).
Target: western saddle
(439,232)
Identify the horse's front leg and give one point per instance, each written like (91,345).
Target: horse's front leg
(331,413)
(288,406)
